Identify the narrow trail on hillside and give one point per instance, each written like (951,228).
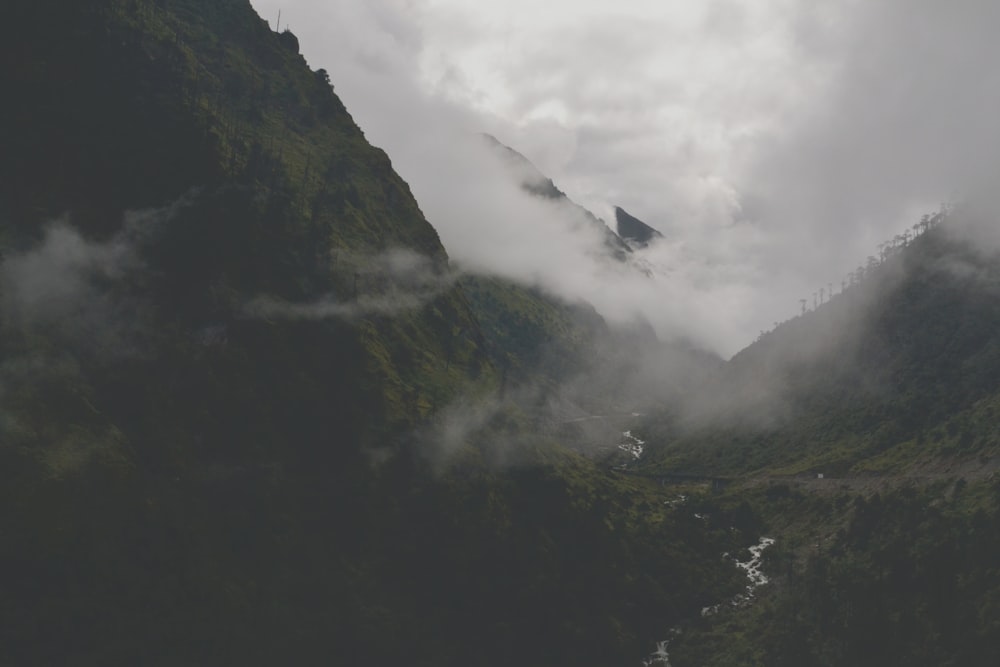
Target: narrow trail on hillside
(863,483)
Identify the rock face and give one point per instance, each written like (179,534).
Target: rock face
(634,230)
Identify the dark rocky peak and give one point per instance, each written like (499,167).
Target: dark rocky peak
(633,230)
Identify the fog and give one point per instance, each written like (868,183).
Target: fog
(774,145)
(68,304)
(386,284)
(76,290)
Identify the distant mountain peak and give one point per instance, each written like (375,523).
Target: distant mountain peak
(533,181)
(633,230)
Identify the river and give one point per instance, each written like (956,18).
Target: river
(755,579)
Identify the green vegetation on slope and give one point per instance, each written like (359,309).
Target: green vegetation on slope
(902,577)
(890,390)
(275,191)
(898,370)
(217,388)
(532,336)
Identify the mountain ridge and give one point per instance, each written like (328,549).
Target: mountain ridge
(534,182)
(249,414)
(879,353)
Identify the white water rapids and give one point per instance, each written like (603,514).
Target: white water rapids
(635,447)
(755,579)
(632,445)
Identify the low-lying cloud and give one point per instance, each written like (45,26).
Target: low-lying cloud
(76,290)
(56,276)
(775,145)
(386,284)
(68,304)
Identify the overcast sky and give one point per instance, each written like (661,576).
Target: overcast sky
(774,143)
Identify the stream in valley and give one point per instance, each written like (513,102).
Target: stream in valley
(634,448)
(755,579)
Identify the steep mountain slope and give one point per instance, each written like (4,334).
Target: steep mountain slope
(863,436)
(230,354)
(574,376)
(265,187)
(896,371)
(580,377)
(532,336)
(249,416)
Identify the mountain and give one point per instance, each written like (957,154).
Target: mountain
(584,372)
(536,183)
(634,230)
(577,378)
(233,177)
(248,413)
(895,372)
(862,436)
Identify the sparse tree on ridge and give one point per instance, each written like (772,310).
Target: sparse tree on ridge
(886,249)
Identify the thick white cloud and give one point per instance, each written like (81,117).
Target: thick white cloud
(774,143)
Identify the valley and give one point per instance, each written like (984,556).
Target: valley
(253,412)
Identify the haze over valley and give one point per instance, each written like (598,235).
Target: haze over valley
(635,333)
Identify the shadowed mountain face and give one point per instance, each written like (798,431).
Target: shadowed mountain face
(634,230)
(248,415)
(864,433)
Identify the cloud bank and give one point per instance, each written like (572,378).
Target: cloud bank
(774,144)
(387,284)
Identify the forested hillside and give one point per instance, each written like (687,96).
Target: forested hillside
(247,412)
(863,434)
(250,414)
(896,372)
